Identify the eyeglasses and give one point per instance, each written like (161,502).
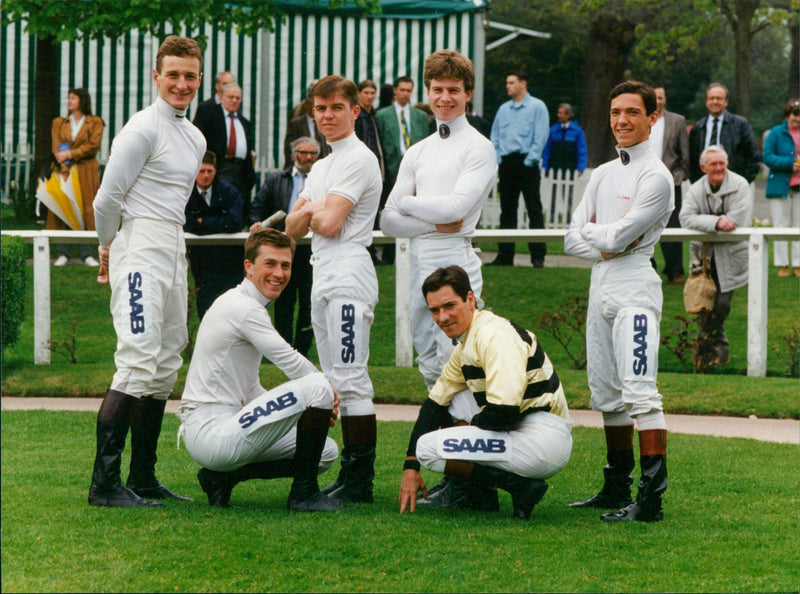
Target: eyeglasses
(307,153)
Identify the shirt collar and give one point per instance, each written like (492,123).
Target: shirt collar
(342,143)
(455,125)
(248,288)
(166,109)
(634,152)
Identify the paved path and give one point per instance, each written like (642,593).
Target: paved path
(778,431)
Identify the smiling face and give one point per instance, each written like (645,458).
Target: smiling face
(178,80)
(716,101)
(715,168)
(629,122)
(271,270)
(335,116)
(447,98)
(450,312)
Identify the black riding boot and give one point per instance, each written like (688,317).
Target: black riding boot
(462,493)
(312,430)
(356,477)
(652,485)
(616,491)
(219,485)
(146,417)
(525,492)
(113,421)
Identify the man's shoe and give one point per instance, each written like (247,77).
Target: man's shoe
(216,486)
(121,496)
(63,261)
(318,502)
(453,494)
(537,263)
(604,501)
(633,513)
(500,262)
(90,261)
(677,280)
(159,492)
(783,271)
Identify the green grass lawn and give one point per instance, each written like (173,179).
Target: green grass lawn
(730,525)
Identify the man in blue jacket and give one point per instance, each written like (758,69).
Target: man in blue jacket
(566,144)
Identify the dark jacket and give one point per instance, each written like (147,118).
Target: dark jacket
(297,128)
(738,140)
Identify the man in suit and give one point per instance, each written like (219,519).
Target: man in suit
(670,141)
(400,125)
(223,78)
(303,125)
(729,130)
(280,192)
(229,136)
(214,207)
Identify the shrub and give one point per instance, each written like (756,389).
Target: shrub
(12,287)
(23,200)
(568,326)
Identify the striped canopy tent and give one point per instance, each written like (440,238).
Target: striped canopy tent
(273,67)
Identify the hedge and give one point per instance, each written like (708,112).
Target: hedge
(12,279)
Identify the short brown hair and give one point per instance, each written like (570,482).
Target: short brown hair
(182,47)
(268,236)
(635,87)
(449,65)
(210,158)
(330,85)
(453,276)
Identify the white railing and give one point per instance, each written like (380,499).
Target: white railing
(757,298)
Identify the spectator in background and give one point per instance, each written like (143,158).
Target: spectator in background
(519,133)
(718,201)
(480,123)
(566,144)
(670,142)
(76,141)
(385,95)
(207,107)
(303,125)
(280,192)
(214,207)
(729,130)
(229,135)
(781,155)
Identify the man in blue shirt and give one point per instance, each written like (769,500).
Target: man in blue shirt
(519,133)
(566,144)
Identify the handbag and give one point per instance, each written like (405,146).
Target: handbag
(699,291)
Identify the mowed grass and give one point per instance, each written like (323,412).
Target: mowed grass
(522,294)
(731,525)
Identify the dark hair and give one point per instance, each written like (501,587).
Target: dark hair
(635,87)
(520,74)
(85,100)
(403,79)
(367,82)
(792,107)
(210,158)
(267,236)
(385,95)
(449,65)
(182,47)
(453,276)
(330,85)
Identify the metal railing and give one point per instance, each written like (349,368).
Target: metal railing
(757,297)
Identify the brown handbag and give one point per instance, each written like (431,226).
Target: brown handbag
(699,291)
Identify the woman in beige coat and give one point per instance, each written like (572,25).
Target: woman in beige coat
(76,141)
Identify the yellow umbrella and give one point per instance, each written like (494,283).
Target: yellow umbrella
(63,197)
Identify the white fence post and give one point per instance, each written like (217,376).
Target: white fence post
(403,346)
(41,300)
(757,306)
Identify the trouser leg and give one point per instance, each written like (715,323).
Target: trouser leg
(355,481)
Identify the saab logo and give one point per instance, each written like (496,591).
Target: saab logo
(348,340)
(489,446)
(137,309)
(279,403)
(640,338)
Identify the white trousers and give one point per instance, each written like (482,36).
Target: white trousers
(538,448)
(432,345)
(147,267)
(622,336)
(786,213)
(343,299)
(223,437)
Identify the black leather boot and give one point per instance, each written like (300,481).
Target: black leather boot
(525,492)
(461,493)
(616,491)
(219,485)
(146,418)
(312,430)
(113,421)
(355,482)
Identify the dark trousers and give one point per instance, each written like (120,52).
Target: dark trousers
(673,250)
(297,291)
(515,177)
(238,174)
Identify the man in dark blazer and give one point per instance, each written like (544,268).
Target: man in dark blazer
(674,151)
(395,142)
(279,192)
(214,207)
(303,125)
(234,157)
(732,131)
(210,104)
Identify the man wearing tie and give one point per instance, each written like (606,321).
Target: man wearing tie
(214,207)
(727,129)
(400,125)
(230,137)
(280,192)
